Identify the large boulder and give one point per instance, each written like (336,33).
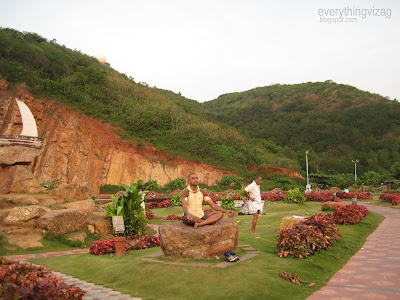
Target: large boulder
(11,155)
(25,213)
(83,205)
(63,221)
(180,240)
(18,178)
(20,199)
(73,191)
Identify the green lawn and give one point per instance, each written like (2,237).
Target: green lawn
(256,278)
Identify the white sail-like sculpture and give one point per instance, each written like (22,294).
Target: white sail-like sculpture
(29,127)
(29,134)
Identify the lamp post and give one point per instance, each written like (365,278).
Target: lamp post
(308,188)
(355,169)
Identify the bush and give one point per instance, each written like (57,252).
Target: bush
(319,197)
(349,214)
(394,199)
(228,180)
(227,202)
(308,237)
(176,184)
(110,189)
(104,246)
(22,281)
(173,217)
(176,200)
(295,196)
(147,241)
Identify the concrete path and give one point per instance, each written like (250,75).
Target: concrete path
(374,271)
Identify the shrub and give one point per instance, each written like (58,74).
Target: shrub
(147,241)
(295,196)
(349,214)
(22,281)
(394,199)
(173,217)
(308,237)
(104,246)
(228,180)
(227,202)
(319,197)
(176,200)
(176,184)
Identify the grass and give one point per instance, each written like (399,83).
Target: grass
(251,279)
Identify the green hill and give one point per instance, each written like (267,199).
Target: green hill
(336,122)
(145,115)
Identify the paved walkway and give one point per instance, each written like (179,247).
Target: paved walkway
(374,271)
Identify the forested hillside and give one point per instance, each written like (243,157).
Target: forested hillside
(336,122)
(147,116)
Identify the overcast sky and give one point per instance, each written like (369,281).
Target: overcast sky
(207,48)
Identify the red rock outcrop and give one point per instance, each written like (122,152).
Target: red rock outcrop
(78,148)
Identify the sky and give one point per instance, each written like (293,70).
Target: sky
(204,49)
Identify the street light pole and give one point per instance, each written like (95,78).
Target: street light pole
(355,169)
(308,182)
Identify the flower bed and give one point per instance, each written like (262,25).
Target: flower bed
(269,196)
(350,214)
(104,246)
(165,203)
(22,281)
(319,197)
(308,237)
(351,195)
(394,199)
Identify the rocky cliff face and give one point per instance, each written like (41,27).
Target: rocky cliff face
(78,148)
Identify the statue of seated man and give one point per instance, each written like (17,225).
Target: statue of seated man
(192,200)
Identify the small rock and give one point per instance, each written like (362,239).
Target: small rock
(91,228)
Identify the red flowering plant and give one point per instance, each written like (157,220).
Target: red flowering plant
(147,241)
(349,214)
(173,217)
(390,198)
(23,281)
(366,196)
(308,237)
(150,215)
(162,204)
(104,246)
(269,196)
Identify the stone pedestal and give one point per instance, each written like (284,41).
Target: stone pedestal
(331,204)
(180,240)
(290,221)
